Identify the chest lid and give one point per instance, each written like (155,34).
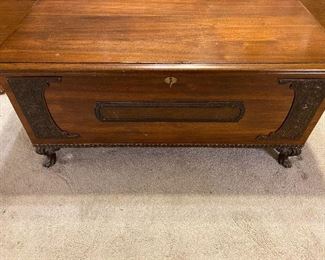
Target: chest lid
(277,33)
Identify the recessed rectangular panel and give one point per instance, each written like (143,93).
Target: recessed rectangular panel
(231,111)
(139,107)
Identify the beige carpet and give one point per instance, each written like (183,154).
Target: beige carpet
(169,203)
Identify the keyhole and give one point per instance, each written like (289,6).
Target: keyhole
(170,81)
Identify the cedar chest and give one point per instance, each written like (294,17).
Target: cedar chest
(166,73)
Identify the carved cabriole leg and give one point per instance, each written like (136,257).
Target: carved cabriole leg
(285,153)
(50,153)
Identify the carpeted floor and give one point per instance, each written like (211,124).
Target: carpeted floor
(150,203)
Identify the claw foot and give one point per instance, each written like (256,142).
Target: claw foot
(50,153)
(285,153)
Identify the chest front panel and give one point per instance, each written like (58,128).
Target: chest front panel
(168,108)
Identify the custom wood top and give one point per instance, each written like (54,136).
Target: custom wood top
(317,8)
(12,13)
(275,34)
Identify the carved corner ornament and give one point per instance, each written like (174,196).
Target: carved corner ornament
(30,95)
(308,96)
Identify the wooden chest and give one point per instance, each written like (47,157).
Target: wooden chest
(166,73)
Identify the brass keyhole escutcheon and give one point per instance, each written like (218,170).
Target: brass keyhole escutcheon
(171,81)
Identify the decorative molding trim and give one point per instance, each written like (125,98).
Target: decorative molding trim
(114,107)
(97,145)
(30,95)
(308,96)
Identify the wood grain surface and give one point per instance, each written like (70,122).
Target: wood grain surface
(121,51)
(72,105)
(12,13)
(72,102)
(317,8)
(174,31)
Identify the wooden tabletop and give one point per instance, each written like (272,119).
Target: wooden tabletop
(221,32)
(317,8)
(12,13)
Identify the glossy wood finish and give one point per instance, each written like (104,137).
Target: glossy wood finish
(317,8)
(64,101)
(12,13)
(223,51)
(72,105)
(175,31)
(72,102)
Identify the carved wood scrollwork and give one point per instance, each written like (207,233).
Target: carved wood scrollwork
(29,93)
(308,95)
(171,111)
